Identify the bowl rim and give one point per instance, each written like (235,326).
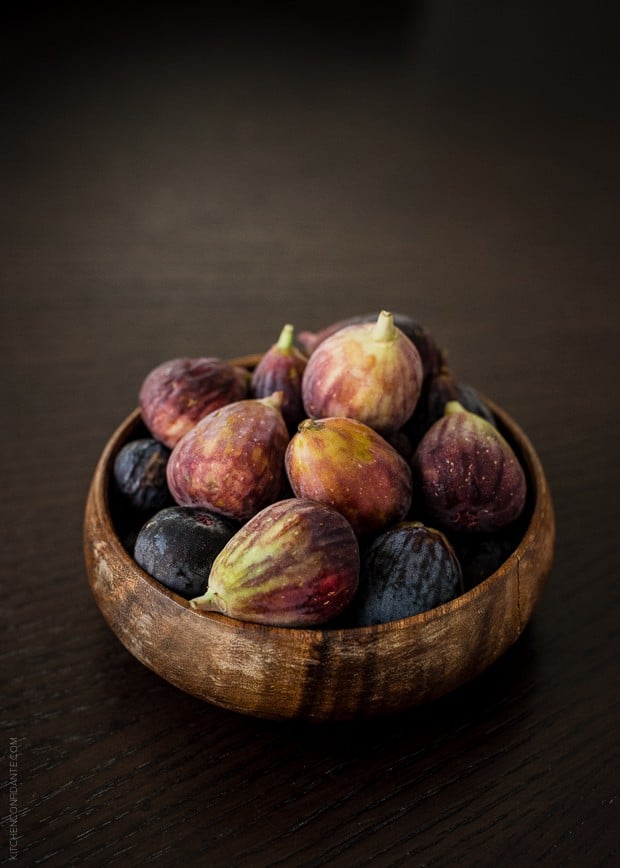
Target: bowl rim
(537,487)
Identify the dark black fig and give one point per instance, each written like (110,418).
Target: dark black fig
(407,570)
(140,474)
(481,554)
(178,546)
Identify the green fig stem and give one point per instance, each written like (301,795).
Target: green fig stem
(453,407)
(384,329)
(208,602)
(285,341)
(275,400)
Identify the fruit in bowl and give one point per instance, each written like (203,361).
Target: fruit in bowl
(276,631)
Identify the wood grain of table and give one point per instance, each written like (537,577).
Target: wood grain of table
(183,184)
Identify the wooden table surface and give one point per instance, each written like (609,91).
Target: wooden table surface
(182,185)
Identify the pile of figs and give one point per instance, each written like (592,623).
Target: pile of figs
(349,479)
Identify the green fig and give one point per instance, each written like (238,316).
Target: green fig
(295,563)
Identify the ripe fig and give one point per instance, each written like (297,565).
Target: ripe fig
(344,463)
(177,394)
(294,564)
(370,372)
(430,354)
(140,474)
(468,476)
(437,391)
(177,546)
(280,370)
(481,554)
(407,570)
(231,462)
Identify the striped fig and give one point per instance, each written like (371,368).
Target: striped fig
(370,372)
(294,564)
(232,461)
(407,570)
(467,474)
(344,463)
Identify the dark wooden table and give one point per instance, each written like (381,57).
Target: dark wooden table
(182,185)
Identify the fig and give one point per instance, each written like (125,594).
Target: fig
(177,394)
(370,372)
(232,461)
(407,570)
(295,563)
(280,370)
(468,476)
(139,472)
(347,465)
(437,391)
(178,546)
(430,354)
(481,554)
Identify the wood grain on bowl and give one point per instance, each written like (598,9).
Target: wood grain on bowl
(320,674)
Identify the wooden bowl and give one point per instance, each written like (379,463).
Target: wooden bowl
(321,674)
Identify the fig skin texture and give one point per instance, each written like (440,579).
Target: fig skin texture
(430,354)
(467,474)
(406,570)
(347,465)
(140,474)
(177,394)
(295,564)
(438,390)
(178,546)
(232,461)
(370,372)
(281,370)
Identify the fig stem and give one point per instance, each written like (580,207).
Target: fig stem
(285,341)
(384,329)
(275,400)
(453,407)
(208,602)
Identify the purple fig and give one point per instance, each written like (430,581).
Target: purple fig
(347,465)
(280,370)
(177,394)
(370,372)
(468,476)
(406,570)
(437,391)
(232,461)
(296,563)
(431,355)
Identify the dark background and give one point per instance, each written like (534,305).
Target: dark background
(183,183)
